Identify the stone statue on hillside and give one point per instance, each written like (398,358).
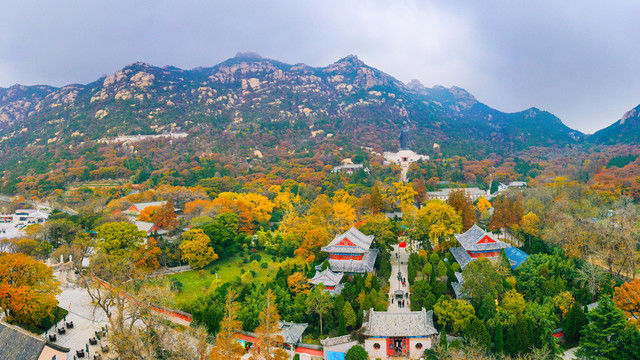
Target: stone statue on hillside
(404,137)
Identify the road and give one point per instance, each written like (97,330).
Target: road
(40,205)
(398,264)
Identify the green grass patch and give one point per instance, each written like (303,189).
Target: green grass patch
(196,282)
(46,323)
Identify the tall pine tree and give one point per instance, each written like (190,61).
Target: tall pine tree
(600,337)
(498,339)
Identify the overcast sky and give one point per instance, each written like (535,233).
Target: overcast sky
(577,59)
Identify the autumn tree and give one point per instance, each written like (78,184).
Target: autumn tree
(146,256)
(405,194)
(377,204)
(297,282)
(627,298)
(319,302)
(28,289)
(421,191)
(269,341)
(436,222)
(463,204)
(508,211)
(165,217)
(227,347)
(147,213)
(314,239)
(196,248)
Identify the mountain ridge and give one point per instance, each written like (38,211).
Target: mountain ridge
(357,104)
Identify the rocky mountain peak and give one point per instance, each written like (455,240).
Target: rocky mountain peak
(248,55)
(415,84)
(633,113)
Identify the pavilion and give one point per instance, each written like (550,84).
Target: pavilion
(351,252)
(476,243)
(329,279)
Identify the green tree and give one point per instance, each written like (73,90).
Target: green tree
(487,309)
(498,339)
(482,279)
(356,352)
(319,302)
(119,238)
(574,323)
(349,315)
(601,336)
(441,269)
(628,345)
(456,312)
(477,331)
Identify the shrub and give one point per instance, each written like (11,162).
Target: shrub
(357,352)
(264,265)
(255,257)
(175,285)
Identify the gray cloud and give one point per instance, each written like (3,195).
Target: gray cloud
(577,59)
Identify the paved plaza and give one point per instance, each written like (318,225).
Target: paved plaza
(85,321)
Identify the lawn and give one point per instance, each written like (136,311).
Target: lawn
(194,283)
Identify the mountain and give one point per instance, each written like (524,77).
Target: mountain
(249,102)
(625,130)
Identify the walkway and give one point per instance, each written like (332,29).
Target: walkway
(85,320)
(398,264)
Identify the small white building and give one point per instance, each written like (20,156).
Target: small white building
(403,157)
(443,194)
(11,225)
(349,169)
(398,334)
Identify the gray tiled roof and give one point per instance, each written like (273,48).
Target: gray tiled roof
(361,241)
(469,240)
(461,256)
(459,277)
(355,266)
(16,343)
(457,288)
(291,332)
(414,323)
(327,277)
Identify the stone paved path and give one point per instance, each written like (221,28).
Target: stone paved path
(398,264)
(85,321)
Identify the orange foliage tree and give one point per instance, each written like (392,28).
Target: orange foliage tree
(165,217)
(28,289)
(146,256)
(627,298)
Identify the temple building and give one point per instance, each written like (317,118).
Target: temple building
(350,252)
(330,280)
(476,243)
(398,334)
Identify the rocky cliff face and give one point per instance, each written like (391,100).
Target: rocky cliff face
(346,101)
(625,130)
